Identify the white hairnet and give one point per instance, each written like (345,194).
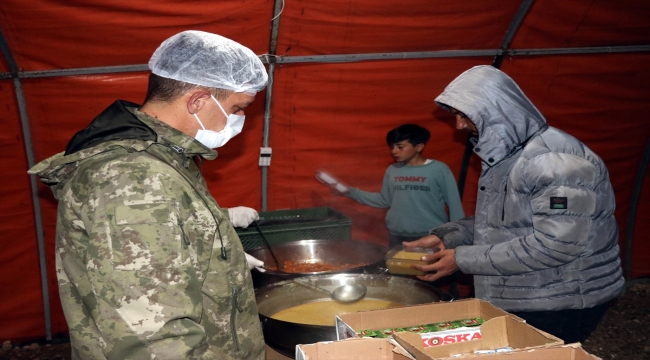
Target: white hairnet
(211,60)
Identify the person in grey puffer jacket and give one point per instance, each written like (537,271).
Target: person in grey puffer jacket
(543,243)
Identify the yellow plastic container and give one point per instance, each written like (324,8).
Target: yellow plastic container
(399,259)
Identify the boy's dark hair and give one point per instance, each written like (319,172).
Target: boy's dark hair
(415,134)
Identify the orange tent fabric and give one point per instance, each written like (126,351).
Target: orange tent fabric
(331,116)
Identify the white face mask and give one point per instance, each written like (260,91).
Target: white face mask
(215,139)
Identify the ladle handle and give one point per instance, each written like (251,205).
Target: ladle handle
(259,230)
(312,287)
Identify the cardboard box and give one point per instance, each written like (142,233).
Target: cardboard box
(499,332)
(346,324)
(560,352)
(563,352)
(353,349)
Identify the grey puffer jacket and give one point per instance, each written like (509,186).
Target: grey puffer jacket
(543,236)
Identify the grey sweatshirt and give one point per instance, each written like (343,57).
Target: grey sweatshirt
(416,196)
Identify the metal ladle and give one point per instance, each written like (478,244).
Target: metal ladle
(349,293)
(344,293)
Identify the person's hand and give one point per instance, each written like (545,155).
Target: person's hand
(242,216)
(445,264)
(427,241)
(253,261)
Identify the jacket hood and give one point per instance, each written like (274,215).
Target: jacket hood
(502,113)
(121,125)
(114,123)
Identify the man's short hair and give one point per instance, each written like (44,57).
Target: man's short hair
(415,134)
(162,89)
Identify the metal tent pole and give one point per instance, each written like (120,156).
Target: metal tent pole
(342,58)
(275,25)
(512,30)
(631,216)
(510,33)
(29,150)
(578,50)
(83,71)
(265,137)
(469,146)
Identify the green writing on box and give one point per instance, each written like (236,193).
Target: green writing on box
(427,328)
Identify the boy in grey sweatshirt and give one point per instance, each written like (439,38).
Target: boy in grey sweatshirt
(415,189)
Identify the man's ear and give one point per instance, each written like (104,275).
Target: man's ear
(196,100)
(419,147)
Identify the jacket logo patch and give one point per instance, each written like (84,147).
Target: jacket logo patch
(559,203)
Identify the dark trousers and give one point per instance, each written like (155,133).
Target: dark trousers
(394,240)
(573,325)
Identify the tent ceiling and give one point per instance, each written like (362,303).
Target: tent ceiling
(53,35)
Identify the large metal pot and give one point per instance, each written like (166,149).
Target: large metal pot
(335,252)
(283,336)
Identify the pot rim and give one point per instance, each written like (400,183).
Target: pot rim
(297,243)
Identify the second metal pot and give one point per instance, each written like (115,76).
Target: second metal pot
(363,257)
(283,335)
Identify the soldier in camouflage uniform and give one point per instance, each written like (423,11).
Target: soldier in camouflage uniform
(149,266)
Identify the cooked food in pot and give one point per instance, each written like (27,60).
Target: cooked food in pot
(302,266)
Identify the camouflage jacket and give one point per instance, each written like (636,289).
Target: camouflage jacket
(148,265)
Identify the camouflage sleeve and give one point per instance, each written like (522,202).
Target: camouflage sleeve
(225,213)
(145,278)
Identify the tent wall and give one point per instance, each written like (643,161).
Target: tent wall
(330,116)
(583,95)
(51,34)
(20,282)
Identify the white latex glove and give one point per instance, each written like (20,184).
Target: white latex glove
(241,216)
(253,261)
